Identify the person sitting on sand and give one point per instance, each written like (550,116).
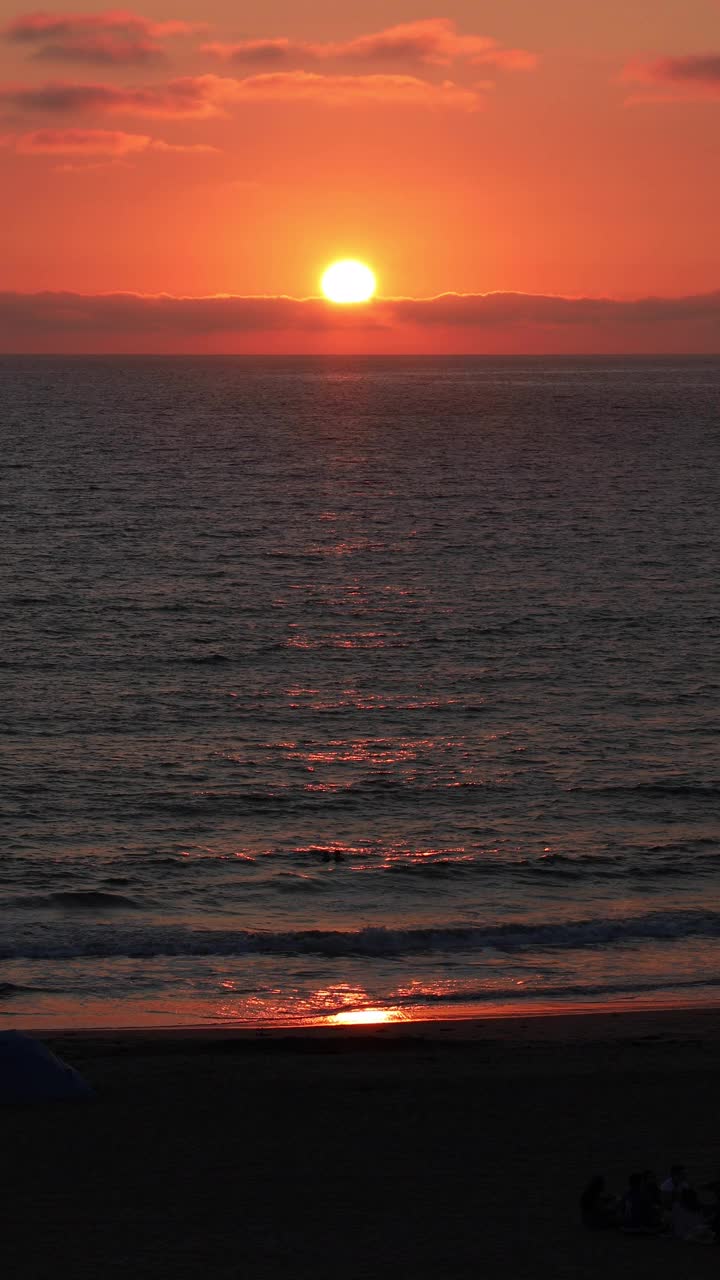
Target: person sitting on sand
(712,1211)
(653,1191)
(640,1214)
(674,1184)
(688,1219)
(598,1208)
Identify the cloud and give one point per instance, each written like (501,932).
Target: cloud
(490,309)
(687,77)
(113,37)
(41,25)
(184,148)
(96,166)
(189,97)
(95,142)
(251,51)
(148,315)
(343,90)
(496,321)
(434,41)
(81,142)
(204,96)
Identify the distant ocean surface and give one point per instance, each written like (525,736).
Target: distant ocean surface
(330,685)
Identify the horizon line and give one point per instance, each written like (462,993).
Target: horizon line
(360,355)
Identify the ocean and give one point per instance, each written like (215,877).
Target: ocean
(337,689)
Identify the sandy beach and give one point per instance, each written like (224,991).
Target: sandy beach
(421,1150)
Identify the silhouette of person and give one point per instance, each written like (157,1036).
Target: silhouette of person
(640,1214)
(674,1184)
(598,1208)
(688,1219)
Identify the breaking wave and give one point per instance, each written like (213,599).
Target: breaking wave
(76,900)
(100,941)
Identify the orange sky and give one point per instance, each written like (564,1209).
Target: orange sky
(560,149)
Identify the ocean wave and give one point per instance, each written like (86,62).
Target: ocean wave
(10,989)
(199,659)
(560,866)
(692,790)
(370,942)
(589,990)
(158,878)
(77,900)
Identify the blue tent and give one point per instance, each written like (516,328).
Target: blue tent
(29,1072)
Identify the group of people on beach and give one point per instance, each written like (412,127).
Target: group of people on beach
(647,1207)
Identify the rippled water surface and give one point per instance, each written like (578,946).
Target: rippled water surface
(337,684)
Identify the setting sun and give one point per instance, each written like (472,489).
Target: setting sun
(348,281)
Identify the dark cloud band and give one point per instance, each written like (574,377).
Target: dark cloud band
(138,322)
(149,314)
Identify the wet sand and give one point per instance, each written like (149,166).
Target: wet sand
(412,1151)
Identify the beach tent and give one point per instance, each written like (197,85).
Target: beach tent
(29,1072)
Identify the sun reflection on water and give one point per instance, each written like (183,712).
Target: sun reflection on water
(337,1004)
(363,1017)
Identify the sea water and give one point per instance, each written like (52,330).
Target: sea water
(330,685)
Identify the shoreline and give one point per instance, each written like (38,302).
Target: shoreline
(579,1024)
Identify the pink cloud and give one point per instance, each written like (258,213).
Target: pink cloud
(252,51)
(102,50)
(81,142)
(190,97)
(434,41)
(41,25)
(184,148)
(688,76)
(116,36)
(204,96)
(96,142)
(87,166)
(339,90)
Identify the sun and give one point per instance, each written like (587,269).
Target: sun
(348,281)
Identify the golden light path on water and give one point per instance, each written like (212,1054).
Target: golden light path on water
(364,1017)
(339,1004)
